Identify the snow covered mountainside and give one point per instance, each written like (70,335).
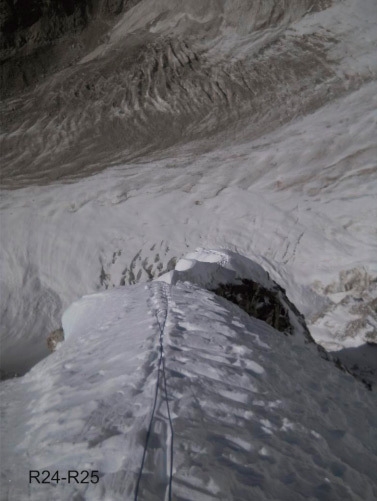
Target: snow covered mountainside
(263,143)
(167,391)
(132,133)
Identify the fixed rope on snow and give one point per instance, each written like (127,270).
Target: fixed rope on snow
(161,368)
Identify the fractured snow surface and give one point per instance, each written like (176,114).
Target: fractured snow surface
(254,415)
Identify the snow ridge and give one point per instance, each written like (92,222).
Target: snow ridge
(255,415)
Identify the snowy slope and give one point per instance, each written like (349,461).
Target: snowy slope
(241,126)
(253,415)
(299,201)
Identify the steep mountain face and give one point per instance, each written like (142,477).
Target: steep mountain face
(259,113)
(299,201)
(132,132)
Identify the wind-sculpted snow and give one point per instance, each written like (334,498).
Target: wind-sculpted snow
(245,283)
(253,415)
(239,280)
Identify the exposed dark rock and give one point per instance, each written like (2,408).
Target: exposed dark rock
(7,375)
(54,338)
(361,362)
(274,308)
(258,302)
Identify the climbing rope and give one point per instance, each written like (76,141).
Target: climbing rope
(161,370)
